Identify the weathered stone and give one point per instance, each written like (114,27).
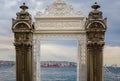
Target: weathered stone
(23,34)
(95,27)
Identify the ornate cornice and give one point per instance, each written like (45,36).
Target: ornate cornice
(74,24)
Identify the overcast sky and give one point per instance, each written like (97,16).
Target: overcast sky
(59,50)
(110,8)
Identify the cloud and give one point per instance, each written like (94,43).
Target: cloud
(112,55)
(12,3)
(58,52)
(35,7)
(112,13)
(6,40)
(6,54)
(6,46)
(7,50)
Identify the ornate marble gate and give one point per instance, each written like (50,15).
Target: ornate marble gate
(59,22)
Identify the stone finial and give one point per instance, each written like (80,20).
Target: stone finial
(95,14)
(95,6)
(23,14)
(24,7)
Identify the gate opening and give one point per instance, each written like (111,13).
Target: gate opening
(58,60)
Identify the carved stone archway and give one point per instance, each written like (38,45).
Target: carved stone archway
(59,22)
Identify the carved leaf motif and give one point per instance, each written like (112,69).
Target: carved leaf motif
(59,8)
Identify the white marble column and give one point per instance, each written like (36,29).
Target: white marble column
(36,60)
(82,60)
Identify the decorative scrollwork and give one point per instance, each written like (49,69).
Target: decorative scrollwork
(59,8)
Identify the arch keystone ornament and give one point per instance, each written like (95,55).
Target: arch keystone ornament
(59,22)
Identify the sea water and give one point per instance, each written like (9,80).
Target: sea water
(59,74)
(7,74)
(47,74)
(51,74)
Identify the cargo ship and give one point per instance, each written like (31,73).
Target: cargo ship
(50,66)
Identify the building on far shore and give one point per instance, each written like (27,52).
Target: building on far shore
(59,63)
(7,63)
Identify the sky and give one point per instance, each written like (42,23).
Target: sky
(60,50)
(110,9)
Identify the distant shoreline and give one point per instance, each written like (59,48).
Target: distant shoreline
(12,63)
